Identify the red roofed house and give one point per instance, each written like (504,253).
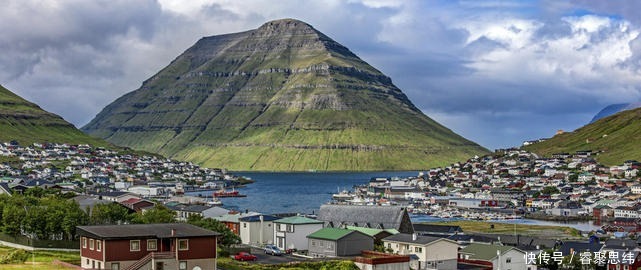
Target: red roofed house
(137,204)
(147,246)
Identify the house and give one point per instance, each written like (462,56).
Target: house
(335,242)
(231,220)
(431,252)
(377,234)
(368,216)
(494,256)
(371,260)
(215,211)
(183,212)
(138,246)
(291,232)
(4,189)
(137,204)
(437,229)
(257,229)
(116,196)
(626,259)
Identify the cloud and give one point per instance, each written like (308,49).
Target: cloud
(497,72)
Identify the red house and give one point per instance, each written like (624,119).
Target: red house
(137,246)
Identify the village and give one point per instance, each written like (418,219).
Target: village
(369,225)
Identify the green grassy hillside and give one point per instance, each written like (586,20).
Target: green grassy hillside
(283,97)
(26,123)
(617,137)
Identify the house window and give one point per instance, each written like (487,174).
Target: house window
(152,244)
(134,245)
(320,243)
(330,246)
(244,225)
(418,249)
(98,245)
(91,244)
(84,243)
(508,260)
(99,265)
(389,245)
(183,244)
(182,265)
(290,228)
(115,266)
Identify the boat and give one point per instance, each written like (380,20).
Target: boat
(215,202)
(343,196)
(222,193)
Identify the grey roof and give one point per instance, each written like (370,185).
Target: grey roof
(85,201)
(378,217)
(407,238)
(433,228)
(620,244)
(5,188)
(256,218)
(579,247)
(215,211)
(160,230)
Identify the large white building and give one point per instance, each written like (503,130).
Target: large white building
(257,230)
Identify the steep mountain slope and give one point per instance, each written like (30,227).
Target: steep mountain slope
(615,108)
(26,123)
(283,97)
(618,136)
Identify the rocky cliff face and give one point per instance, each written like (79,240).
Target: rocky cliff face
(281,97)
(25,122)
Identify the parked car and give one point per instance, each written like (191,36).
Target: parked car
(244,256)
(273,250)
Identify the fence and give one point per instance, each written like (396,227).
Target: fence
(37,243)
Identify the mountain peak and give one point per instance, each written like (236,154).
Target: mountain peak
(281,97)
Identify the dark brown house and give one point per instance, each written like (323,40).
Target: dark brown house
(137,246)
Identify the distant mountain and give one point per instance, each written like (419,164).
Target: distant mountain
(617,136)
(25,122)
(282,97)
(615,108)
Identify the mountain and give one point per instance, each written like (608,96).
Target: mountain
(618,136)
(25,122)
(615,108)
(283,97)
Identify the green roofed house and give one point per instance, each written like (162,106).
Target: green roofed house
(291,232)
(494,256)
(378,234)
(335,242)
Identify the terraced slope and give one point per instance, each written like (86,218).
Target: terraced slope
(25,122)
(282,97)
(618,136)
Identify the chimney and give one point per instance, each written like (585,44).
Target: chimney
(173,232)
(414,237)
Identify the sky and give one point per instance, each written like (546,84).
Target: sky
(497,72)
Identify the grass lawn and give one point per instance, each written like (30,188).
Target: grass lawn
(522,229)
(35,260)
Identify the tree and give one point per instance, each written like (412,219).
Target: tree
(550,190)
(227,238)
(110,213)
(158,214)
(12,216)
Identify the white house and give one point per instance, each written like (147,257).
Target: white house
(501,257)
(292,232)
(257,230)
(432,252)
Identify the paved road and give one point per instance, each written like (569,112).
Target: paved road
(269,259)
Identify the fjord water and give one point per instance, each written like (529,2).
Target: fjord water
(297,192)
(305,192)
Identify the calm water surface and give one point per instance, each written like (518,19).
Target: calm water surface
(306,192)
(297,192)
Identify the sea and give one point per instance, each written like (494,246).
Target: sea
(305,192)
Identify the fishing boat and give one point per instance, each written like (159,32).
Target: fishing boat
(222,193)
